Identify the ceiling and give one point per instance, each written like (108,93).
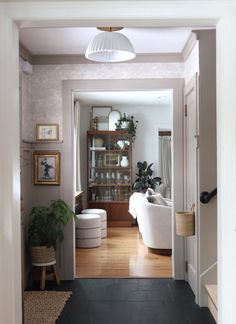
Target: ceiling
(111,98)
(58,41)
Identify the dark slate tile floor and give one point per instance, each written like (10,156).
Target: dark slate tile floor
(130,301)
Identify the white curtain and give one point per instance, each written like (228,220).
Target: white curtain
(77,180)
(165,163)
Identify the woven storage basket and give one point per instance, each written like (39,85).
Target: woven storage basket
(185,224)
(42,254)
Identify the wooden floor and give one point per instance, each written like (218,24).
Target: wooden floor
(122,255)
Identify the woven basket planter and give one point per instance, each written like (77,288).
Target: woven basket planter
(42,254)
(185,224)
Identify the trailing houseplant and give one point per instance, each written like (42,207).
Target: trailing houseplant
(127,122)
(145,178)
(45,229)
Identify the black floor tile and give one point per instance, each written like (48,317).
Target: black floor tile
(130,301)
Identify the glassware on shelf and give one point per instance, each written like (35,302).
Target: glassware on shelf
(97,178)
(118,178)
(102,179)
(94,195)
(108,178)
(126,179)
(99,161)
(127,195)
(118,194)
(113,177)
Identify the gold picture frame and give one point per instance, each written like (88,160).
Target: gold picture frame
(47,168)
(47,132)
(111,159)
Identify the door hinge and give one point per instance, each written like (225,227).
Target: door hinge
(186,266)
(185,111)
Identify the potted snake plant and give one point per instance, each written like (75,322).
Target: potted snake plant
(45,229)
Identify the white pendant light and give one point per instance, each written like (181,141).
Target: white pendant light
(110,46)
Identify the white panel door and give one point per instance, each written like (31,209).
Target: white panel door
(190,171)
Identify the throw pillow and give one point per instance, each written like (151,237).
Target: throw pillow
(159,188)
(149,192)
(157,199)
(162,200)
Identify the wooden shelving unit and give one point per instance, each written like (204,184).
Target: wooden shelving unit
(110,183)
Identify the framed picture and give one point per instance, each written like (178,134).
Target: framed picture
(100,117)
(111,159)
(47,167)
(47,132)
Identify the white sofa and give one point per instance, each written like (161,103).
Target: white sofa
(154,221)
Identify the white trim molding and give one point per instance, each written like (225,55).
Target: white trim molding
(189,46)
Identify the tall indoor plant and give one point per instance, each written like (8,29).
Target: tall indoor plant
(145,178)
(45,229)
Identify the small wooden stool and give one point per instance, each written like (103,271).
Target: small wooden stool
(44,274)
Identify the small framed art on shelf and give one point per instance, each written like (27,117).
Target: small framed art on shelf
(100,117)
(47,168)
(47,132)
(111,159)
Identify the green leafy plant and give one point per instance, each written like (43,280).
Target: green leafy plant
(131,125)
(45,224)
(145,179)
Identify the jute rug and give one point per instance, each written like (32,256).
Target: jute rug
(44,307)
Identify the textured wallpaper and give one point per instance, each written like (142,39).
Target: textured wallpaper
(43,94)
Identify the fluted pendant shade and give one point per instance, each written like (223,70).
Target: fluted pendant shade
(110,47)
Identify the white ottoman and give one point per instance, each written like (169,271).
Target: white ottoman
(103,214)
(88,230)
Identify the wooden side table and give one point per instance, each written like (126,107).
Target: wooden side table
(44,274)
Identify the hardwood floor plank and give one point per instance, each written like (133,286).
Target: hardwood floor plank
(122,255)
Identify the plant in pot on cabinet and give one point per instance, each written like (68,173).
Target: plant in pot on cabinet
(45,230)
(127,122)
(145,178)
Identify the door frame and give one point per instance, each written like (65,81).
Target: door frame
(68,87)
(146,13)
(192,85)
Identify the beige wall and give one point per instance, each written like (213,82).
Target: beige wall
(43,93)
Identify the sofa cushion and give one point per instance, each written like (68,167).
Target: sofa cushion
(157,199)
(149,192)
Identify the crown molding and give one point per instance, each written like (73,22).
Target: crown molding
(189,46)
(80,59)
(25,54)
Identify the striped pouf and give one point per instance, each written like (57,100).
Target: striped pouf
(88,230)
(103,214)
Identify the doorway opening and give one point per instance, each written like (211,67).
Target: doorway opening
(139,236)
